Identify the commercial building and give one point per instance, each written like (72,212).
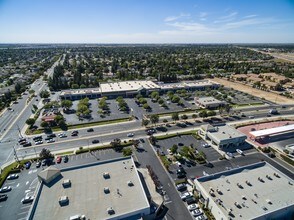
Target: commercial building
(256,191)
(132,88)
(271,131)
(102,190)
(225,137)
(209,102)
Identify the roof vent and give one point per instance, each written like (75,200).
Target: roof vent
(248,183)
(267,176)
(106,190)
(130,183)
(106,175)
(269,201)
(110,211)
(260,179)
(276,175)
(219,192)
(66,183)
(239,185)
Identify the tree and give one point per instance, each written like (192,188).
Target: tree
(154,119)
(184,117)
(160,101)
(203,114)
(175,116)
(145,122)
(152,140)
(66,104)
(175,99)
(194,116)
(154,95)
(174,149)
(211,113)
(30,121)
(116,144)
(127,151)
(146,106)
(44,124)
(44,94)
(31,91)
(228,108)
(165,120)
(45,154)
(17,88)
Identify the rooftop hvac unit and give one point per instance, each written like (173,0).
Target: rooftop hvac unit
(66,183)
(110,211)
(106,190)
(106,175)
(130,183)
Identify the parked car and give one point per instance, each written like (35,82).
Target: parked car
(74,134)
(3,197)
(12,176)
(38,142)
(181,187)
(27,199)
(95,141)
(206,145)
(240,152)
(58,159)
(27,144)
(28,165)
(44,162)
(186,195)
(191,200)
(169,152)
(65,159)
(38,164)
(200,217)
(193,207)
(230,154)
(51,140)
(51,135)
(90,130)
(37,138)
(62,135)
(196,212)
(5,189)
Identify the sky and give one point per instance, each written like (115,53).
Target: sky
(146,21)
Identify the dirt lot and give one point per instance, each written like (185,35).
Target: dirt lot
(256,92)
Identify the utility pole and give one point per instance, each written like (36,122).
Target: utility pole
(15,154)
(19,131)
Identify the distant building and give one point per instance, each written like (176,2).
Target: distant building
(256,191)
(225,137)
(209,102)
(110,189)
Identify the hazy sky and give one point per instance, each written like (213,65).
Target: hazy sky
(146,21)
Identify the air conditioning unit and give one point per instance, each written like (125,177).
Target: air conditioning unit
(130,183)
(106,175)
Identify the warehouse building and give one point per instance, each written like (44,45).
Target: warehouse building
(225,137)
(132,88)
(109,189)
(256,191)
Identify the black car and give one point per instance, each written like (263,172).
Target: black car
(65,159)
(51,136)
(90,130)
(28,165)
(95,141)
(27,144)
(3,197)
(37,138)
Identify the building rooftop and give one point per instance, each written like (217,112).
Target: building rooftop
(94,189)
(209,100)
(80,91)
(225,132)
(271,131)
(250,191)
(127,86)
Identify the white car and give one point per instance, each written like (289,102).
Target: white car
(186,195)
(62,135)
(51,141)
(27,199)
(130,134)
(200,217)
(206,145)
(169,152)
(230,154)
(193,207)
(5,189)
(239,151)
(38,142)
(196,212)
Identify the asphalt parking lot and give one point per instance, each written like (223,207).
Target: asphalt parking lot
(12,208)
(187,140)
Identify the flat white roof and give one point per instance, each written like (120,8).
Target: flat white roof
(127,86)
(271,131)
(258,188)
(86,194)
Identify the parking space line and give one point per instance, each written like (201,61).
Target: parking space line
(9,183)
(22,218)
(22,213)
(25,207)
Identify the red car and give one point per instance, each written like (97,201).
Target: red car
(58,159)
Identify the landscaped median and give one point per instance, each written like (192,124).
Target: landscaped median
(78,126)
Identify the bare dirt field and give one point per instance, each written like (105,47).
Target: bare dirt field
(255,92)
